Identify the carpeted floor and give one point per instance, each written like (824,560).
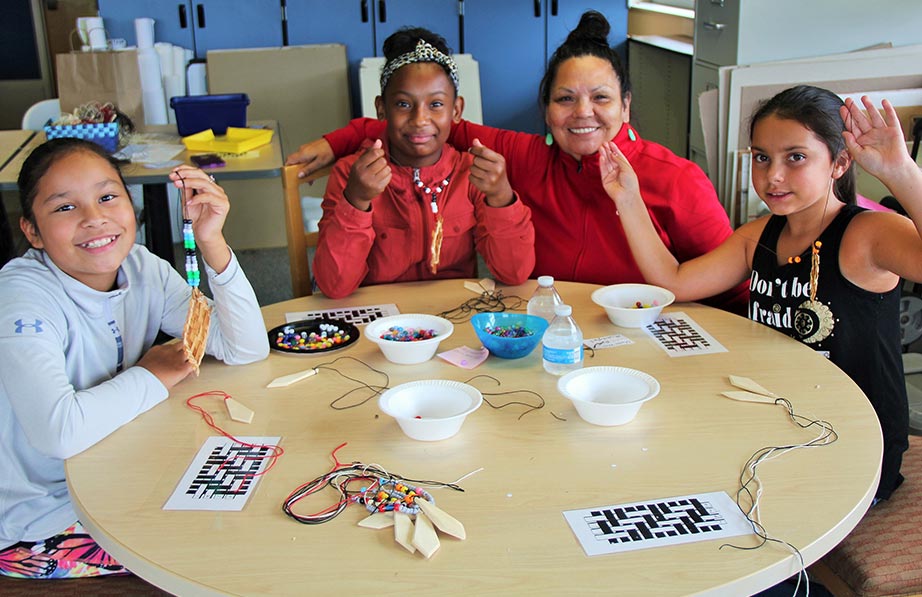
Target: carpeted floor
(110,586)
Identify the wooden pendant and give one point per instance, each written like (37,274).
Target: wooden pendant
(237,411)
(378,520)
(403,531)
(444,521)
(424,537)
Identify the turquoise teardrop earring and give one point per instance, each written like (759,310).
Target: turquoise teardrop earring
(548,139)
(630,134)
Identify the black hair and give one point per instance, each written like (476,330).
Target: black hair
(43,157)
(817,109)
(404,40)
(590,38)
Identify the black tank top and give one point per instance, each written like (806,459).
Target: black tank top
(857,330)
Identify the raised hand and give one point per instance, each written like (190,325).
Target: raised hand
(369,176)
(488,174)
(618,177)
(875,142)
(207,205)
(312,156)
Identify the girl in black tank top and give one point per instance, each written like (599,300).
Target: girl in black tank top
(820,269)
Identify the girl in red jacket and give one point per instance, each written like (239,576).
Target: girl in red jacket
(409,207)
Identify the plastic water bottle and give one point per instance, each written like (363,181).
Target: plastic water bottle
(544,299)
(562,345)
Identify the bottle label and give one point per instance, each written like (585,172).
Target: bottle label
(563,356)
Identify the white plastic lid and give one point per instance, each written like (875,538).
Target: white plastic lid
(565,310)
(546,281)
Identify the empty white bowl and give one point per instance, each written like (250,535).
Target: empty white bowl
(608,395)
(409,353)
(620,303)
(430,410)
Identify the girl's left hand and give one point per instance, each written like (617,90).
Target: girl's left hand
(876,142)
(205,203)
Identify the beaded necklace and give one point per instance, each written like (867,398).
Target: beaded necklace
(814,267)
(435,245)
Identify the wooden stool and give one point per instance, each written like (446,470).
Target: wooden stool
(883,555)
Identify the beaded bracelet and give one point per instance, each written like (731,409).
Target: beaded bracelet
(391,495)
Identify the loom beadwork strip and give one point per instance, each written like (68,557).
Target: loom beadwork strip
(193,276)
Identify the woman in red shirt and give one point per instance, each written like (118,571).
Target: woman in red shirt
(586,95)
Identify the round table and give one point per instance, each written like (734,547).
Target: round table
(688,440)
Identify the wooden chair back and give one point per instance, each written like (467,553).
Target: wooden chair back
(298,239)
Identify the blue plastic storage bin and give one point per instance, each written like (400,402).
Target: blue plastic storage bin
(197,113)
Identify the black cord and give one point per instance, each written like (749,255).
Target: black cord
(531,407)
(375,390)
(486,302)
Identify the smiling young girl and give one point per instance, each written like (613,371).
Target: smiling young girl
(820,269)
(79,313)
(408,207)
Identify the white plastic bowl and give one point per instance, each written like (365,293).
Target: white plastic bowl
(608,395)
(620,303)
(430,410)
(409,353)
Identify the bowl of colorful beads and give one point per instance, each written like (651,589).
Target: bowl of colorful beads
(430,410)
(632,305)
(409,338)
(509,335)
(313,336)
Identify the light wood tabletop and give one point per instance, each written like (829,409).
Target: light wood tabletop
(10,143)
(687,440)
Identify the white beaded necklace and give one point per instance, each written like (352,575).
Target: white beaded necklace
(428,190)
(435,245)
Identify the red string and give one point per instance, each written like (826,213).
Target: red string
(277,451)
(342,486)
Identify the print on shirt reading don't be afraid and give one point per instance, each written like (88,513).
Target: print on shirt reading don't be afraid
(784,304)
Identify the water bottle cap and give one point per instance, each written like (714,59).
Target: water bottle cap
(564,310)
(546,281)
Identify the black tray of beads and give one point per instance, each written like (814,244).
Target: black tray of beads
(313,336)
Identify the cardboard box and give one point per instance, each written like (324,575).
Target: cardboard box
(306,89)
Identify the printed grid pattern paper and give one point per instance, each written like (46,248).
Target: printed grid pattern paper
(656,523)
(354,315)
(221,476)
(680,336)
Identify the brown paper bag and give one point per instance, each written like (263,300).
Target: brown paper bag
(101,76)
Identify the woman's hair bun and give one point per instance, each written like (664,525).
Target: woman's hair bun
(593,27)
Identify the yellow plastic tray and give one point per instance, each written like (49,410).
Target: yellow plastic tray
(237,140)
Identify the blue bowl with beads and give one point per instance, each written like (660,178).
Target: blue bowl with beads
(509,335)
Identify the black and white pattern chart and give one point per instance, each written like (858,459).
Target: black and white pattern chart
(655,523)
(680,336)
(223,474)
(354,315)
